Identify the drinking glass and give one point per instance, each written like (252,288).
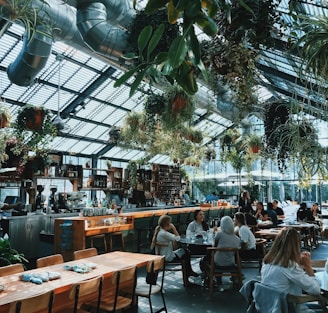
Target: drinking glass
(204,237)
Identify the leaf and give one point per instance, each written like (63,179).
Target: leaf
(203,70)
(137,82)
(154,40)
(193,9)
(172,13)
(182,5)
(161,57)
(129,56)
(177,51)
(153,5)
(144,37)
(126,76)
(195,47)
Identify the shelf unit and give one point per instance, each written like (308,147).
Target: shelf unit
(168,181)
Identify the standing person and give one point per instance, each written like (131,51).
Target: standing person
(245,201)
(211,197)
(248,241)
(279,211)
(287,269)
(167,235)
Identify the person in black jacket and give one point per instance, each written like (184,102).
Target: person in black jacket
(304,214)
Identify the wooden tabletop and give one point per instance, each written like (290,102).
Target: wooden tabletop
(106,264)
(268,233)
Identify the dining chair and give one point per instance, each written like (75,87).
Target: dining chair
(49,260)
(254,290)
(83,289)
(154,283)
(84,253)
(234,271)
(101,238)
(40,303)
(124,282)
(175,265)
(260,253)
(11,269)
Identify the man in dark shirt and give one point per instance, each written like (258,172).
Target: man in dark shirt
(272,214)
(279,211)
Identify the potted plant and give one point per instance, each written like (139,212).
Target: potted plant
(8,255)
(34,127)
(5,116)
(26,14)
(254,142)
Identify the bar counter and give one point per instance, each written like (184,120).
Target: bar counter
(33,235)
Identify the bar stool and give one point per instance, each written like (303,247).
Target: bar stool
(119,235)
(149,232)
(100,237)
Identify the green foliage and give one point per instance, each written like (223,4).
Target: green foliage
(34,127)
(8,255)
(29,15)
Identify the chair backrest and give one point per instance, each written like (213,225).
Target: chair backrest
(153,269)
(226,249)
(11,269)
(86,287)
(85,253)
(158,248)
(122,276)
(49,260)
(42,302)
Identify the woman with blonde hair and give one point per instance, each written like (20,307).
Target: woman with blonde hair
(287,269)
(167,235)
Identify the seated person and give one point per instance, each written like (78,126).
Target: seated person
(272,214)
(259,210)
(315,209)
(248,241)
(304,214)
(225,238)
(287,269)
(279,211)
(167,235)
(250,218)
(197,227)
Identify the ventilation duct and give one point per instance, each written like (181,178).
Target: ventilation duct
(32,58)
(102,39)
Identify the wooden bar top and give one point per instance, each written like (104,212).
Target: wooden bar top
(106,264)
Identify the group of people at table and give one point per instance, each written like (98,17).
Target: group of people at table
(285,267)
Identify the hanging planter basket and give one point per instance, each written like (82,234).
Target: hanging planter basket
(31,117)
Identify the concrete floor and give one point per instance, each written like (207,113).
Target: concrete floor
(198,300)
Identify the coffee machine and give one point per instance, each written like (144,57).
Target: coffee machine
(38,198)
(52,202)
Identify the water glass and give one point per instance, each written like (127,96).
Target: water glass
(204,237)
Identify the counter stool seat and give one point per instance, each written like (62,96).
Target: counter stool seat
(100,237)
(121,238)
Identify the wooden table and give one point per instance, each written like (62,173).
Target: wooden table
(307,231)
(106,264)
(268,233)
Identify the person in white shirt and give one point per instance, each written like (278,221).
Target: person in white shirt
(247,238)
(287,269)
(167,235)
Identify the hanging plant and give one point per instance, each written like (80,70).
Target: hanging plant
(34,127)
(254,142)
(15,154)
(179,109)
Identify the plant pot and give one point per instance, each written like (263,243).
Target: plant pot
(179,102)
(35,122)
(4,122)
(255,149)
